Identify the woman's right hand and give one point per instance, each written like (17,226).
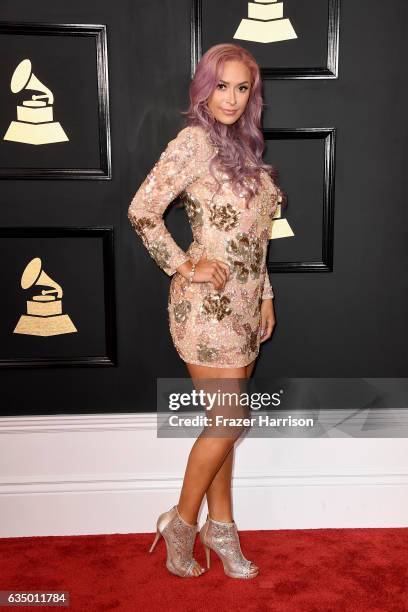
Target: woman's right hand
(212,271)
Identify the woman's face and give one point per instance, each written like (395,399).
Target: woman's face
(231,92)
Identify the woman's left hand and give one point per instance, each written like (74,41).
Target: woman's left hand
(267,319)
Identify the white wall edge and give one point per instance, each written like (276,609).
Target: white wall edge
(103,473)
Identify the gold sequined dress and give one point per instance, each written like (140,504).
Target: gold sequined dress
(208,327)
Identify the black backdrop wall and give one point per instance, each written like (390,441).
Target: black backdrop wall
(346,320)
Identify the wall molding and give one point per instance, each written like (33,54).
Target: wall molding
(381,419)
(165,482)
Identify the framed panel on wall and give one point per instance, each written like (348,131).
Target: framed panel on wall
(289,39)
(54,116)
(302,232)
(60,297)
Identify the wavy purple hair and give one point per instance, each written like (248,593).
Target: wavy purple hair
(241,142)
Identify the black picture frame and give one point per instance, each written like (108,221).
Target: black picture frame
(106,234)
(328,134)
(99,33)
(329,71)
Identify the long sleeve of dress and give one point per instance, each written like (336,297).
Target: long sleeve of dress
(267,288)
(176,168)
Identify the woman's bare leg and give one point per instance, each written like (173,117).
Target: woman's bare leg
(207,454)
(218,494)
(207,457)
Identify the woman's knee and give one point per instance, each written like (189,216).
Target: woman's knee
(225,433)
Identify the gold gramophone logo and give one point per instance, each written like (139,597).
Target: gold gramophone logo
(35,124)
(280,228)
(265,23)
(44,311)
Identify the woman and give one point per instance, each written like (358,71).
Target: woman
(220,300)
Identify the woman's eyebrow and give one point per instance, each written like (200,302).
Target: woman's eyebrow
(226,82)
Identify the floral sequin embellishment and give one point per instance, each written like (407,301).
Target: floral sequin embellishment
(216,306)
(159,251)
(194,210)
(206,353)
(245,255)
(251,343)
(141,224)
(182,310)
(224,216)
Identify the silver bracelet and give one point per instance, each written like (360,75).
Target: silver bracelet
(191,273)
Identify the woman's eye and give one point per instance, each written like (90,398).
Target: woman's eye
(242,88)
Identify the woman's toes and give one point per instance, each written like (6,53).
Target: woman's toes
(253,569)
(198,570)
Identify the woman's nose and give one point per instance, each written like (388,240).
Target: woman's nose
(231,97)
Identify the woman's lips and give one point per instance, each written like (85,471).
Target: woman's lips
(228,112)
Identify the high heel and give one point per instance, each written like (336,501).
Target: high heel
(207,555)
(223,539)
(179,537)
(156,539)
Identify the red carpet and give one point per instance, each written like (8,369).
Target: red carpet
(311,570)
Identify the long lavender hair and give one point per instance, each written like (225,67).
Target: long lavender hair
(243,140)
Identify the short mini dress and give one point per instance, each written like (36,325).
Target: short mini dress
(208,327)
